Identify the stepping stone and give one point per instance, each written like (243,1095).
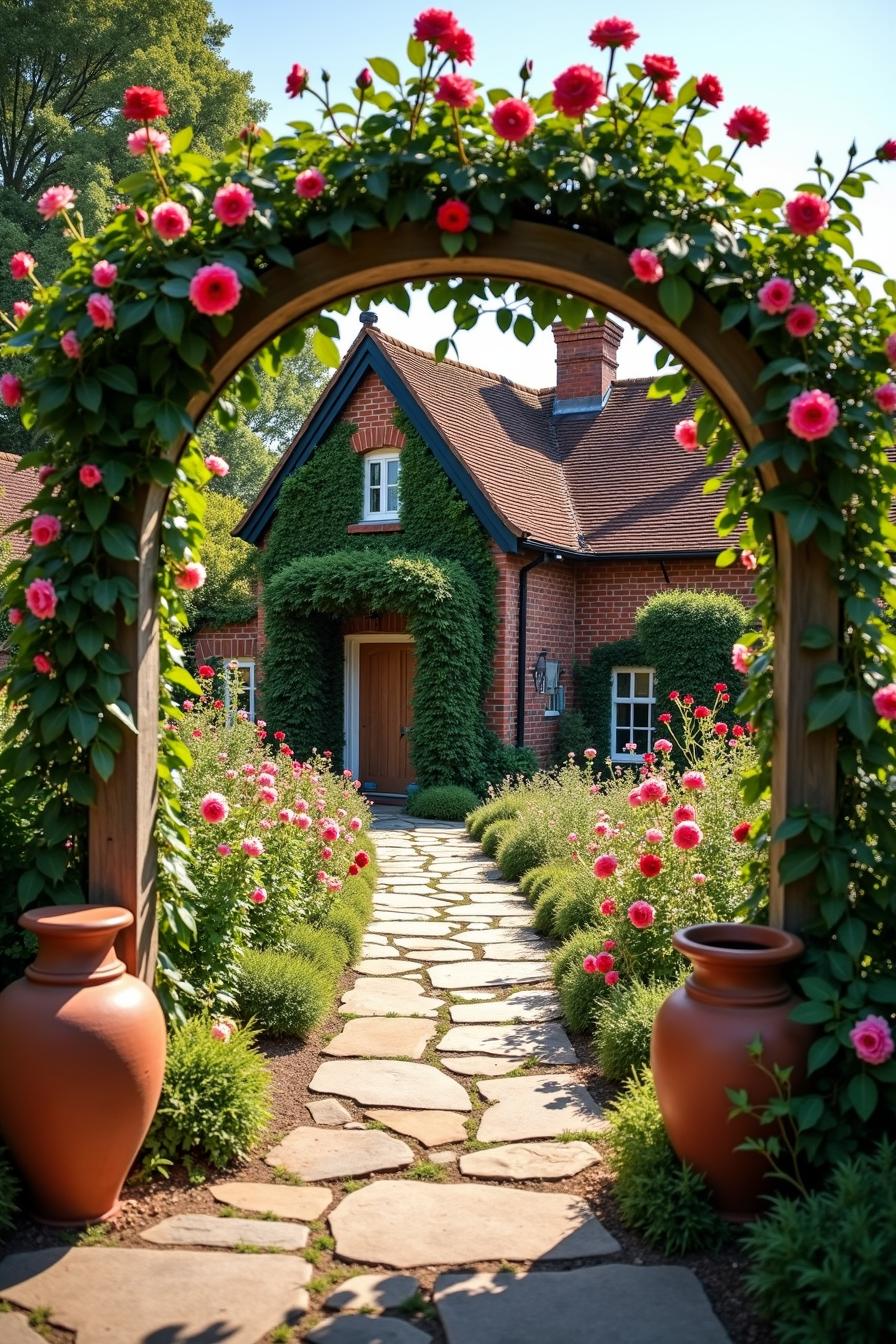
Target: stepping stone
(389,1038)
(377,940)
(379,1292)
(431,1128)
(367,1330)
(546,1041)
(329,1112)
(545,1161)
(480,1066)
(475,996)
(527,1005)
(486,936)
(306,1202)
(376,996)
(14,1329)
(539,1106)
(378,949)
(474,975)
(427,944)
(407,1223)
(444,1159)
(391,1082)
(378,966)
(613,1303)
(514,922)
(326,1154)
(113,1295)
(203,1229)
(479,911)
(515,951)
(507,895)
(413,927)
(447,955)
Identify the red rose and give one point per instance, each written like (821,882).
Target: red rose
(513,119)
(750,124)
(577,90)
(614,33)
(141,103)
(807,213)
(887,151)
(709,90)
(741,831)
(353,870)
(206,670)
(297,81)
(364,79)
(701,712)
(660,67)
(453,216)
(456,91)
(279,736)
(650,865)
(458,44)
(432,25)
(362,858)
(664,91)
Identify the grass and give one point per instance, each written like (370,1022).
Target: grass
(97,1234)
(330,1278)
(417,1305)
(424,1170)
(318,1248)
(351,1185)
(282,1334)
(267,1217)
(287,1177)
(506,1267)
(585,1135)
(39,1316)
(249,1248)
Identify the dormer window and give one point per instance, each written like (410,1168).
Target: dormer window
(381,472)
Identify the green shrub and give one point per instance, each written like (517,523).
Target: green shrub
(9,1192)
(356,895)
(543,914)
(659,1196)
(579,903)
(502,760)
(687,636)
(520,848)
(822,1268)
(325,948)
(348,924)
(579,993)
(623,1025)
(494,833)
(594,690)
(573,736)
(442,802)
(496,809)
(215,1098)
(284,994)
(533,882)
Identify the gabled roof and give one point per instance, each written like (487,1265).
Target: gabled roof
(17,488)
(596,483)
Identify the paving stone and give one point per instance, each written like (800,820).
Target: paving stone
(379,966)
(490,935)
(406,1223)
(480,911)
(475,995)
(537,1161)
(381,1037)
(381,949)
(539,1106)
(14,1329)
(618,1304)
(431,1128)
(366,1330)
(391,1082)
(326,1154)
(203,1229)
(480,1066)
(376,940)
(515,951)
(444,1158)
(376,996)
(426,944)
(114,1295)
(381,1292)
(305,1202)
(546,1041)
(329,1112)
(508,894)
(413,927)
(443,955)
(476,974)
(527,1005)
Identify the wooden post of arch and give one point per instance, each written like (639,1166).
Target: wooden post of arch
(122,855)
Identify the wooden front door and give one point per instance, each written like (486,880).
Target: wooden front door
(386,678)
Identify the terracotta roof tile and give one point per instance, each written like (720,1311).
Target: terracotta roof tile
(17,488)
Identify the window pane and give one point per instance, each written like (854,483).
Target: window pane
(642,716)
(392,498)
(375,499)
(375,470)
(623,684)
(643,740)
(392,471)
(621,739)
(642,683)
(623,715)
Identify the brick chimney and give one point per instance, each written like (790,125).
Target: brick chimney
(586,363)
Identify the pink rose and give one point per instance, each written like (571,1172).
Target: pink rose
(699,879)
(14,616)
(646,266)
(267,795)
(604,962)
(434,25)
(104,274)
(608,907)
(749,124)
(21,265)
(455,91)
(653,836)
(577,89)
(20,309)
(741,832)
(634,798)
(605,865)
(303,821)
(890,349)
(214,808)
(70,345)
(652,790)
(513,119)
(693,779)
(458,44)
(216,465)
(42,664)
(45,528)
(252,846)
(685,434)
(650,865)
(613,33)
(171,220)
(687,835)
(224,850)
(11,389)
(192,576)
(215,289)
(641,913)
(41,599)
(885,701)
(54,201)
(812,415)
(611,978)
(709,90)
(684,812)
(141,102)
(310,184)
(872,1039)
(660,67)
(258,896)
(807,213)
(221,1031)
(740,658)
(589,965)
(776,295)
(233,204)
(89,475)
(662,744)
(885,396)
(101,311)
(146,138)
(589,753)
(355,824)
(296,81)
(801,321)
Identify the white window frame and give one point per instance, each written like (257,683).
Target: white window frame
(250,686)
(556,702)
(382,515)
(631,757)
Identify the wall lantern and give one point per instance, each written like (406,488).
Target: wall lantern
(546,674)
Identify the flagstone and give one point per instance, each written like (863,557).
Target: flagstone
(376,996)
(118,1295)
(527,1005)
(480,1066)
(413,928)
(14,1329)
(515,951)
(203,1229)
(514,922)
(378,947)
(378,1037)
(431,1128)
(305,1202)
(475,995)
(377,1292)
(611,1302)
(476,974)
(507,893)
(537,1106)
(486,937)
(391,1082)
(367,1330)
(402,1224)
(327,1154)
(545,1041)
(492,911)
(329,1111)
(446,954)
(383,966)
(426,944)
(539,1161)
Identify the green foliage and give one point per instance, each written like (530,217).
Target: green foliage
(442,802)
(519,849)
(623,1024)
(573,735)
(283,994)
(577,904)
(550,893)
(495,809)
(228,594)
(322,946)
(502,761)
(594,689)
(317,503)
(579,992)
(9,1194)
(348,925)
(215,1098)
(494,833)
(659,1196)
(534,881)
(688,637)
(821,1268)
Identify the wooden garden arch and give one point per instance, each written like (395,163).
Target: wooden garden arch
(122,860)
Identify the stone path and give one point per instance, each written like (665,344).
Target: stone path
(452,1066)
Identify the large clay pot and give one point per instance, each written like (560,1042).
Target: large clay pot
(735,992)
(82,1054)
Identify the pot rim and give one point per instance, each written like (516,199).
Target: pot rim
(764,946)
(76,920)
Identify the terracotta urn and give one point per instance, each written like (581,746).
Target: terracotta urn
(735,992)
(82,1054)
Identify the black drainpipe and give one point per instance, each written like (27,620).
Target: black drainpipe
(521,649)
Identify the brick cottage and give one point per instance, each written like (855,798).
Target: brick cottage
(589,505)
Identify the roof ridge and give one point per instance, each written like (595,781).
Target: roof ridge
(459,364)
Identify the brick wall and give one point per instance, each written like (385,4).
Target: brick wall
(370,408)
(229,641)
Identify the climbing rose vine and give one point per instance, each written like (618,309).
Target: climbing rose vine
(105,362)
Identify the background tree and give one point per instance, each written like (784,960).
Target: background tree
(228,593)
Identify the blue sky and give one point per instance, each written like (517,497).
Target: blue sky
(822,71)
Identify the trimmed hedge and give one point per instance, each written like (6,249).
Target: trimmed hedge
(624,1023)
(496,809)
(283,994)
(494,833)
(578,902)
(519,848)
(579,993)
(442,802)
(594,689)
(687,636)
(326,948)
(349,924)
(533,882)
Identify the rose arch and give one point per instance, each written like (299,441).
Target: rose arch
(600,194)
